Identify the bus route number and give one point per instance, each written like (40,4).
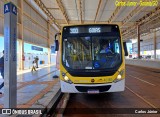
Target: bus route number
(73,30)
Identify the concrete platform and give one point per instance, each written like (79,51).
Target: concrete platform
(35,89)
(144,63)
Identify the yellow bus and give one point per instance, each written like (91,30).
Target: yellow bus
(92,58)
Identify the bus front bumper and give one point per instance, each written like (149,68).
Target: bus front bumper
(84,88)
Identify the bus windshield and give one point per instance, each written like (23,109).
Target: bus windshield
(91,51)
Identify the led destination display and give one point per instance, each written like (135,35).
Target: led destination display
(90,29)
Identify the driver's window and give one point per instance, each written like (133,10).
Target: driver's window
(116,46)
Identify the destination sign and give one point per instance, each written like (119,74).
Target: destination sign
(94,29)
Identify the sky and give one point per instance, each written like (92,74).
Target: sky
(129,48)
(1,44)
(27,47)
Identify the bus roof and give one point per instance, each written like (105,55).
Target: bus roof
(88,25)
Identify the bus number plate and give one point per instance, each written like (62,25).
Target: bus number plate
(93,91)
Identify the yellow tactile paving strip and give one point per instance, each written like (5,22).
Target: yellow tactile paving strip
(50,85)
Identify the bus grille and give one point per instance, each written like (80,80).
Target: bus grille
(86,88)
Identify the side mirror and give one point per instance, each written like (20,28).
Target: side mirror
(56,42)
(125,48)
(56,45)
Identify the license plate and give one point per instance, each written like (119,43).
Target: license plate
(93,91)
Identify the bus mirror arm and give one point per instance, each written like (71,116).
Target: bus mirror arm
(125,48)
(56,42)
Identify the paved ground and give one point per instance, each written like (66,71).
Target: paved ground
(142,91)
(35,86)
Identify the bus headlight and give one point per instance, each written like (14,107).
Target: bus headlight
(66,79)
(119,77)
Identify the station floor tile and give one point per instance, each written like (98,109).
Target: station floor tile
(35,89)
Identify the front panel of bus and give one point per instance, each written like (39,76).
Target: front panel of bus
(92,59)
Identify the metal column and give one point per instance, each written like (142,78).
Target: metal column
(49,45)
(10,55)
(155,45)
(21,42)
(138,34)
(21,54)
